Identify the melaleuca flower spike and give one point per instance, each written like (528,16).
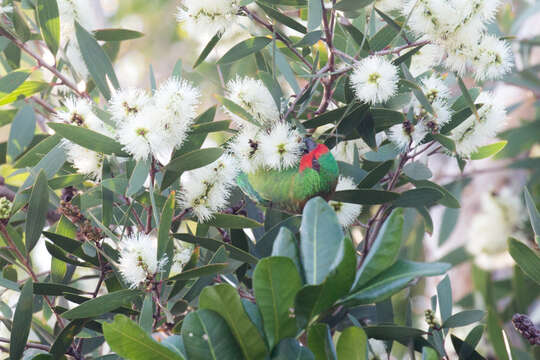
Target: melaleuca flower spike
(374,80)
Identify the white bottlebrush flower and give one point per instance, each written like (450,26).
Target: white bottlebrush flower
(475,132)
(459,56)
(245,147)
(388,5)
(138,259)
(434,19)
(281,147)
(435,89)
(493,58)
(502,213)
(345,150)
(127,103)
(6,9)
(206,190)
(182,254)
(433,122)
(403,135)
(143,135)
(212,15)
(254,97)
(78,111)
(86,161)
(176,102)
(346,213)
(374,79)
(426,59)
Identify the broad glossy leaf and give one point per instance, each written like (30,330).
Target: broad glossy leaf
(471,341)
(214,245)
(286,245)
(290,347)
(464,350)
(88,139)
(320,342)
(37,211)
(225,300)
(463,318)
(21,132)
(194,159)
(365,196)
(49,23)
(422,196)
(128,340)
(384,251)
(525,258)
(490,150)
(98,63)
(275,283)
(429,354)
(352,344)
(116,34)
(417,171)
(321,236)
(22,321)
(207,336)
(233,222)
(244,48)
(263,247)
(102,304)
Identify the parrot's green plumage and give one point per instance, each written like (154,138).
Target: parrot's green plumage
(289,190)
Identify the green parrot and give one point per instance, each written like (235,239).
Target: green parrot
(289,190)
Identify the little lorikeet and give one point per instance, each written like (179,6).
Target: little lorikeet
(288,190)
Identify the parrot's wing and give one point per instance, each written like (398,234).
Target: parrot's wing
(243,183)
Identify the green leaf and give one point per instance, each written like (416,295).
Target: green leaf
(165,223)
(393,280)
(146,317)
(285,244)
(194,273)
(102,304)
(417,92)
(214,245)
(131,342)
(225,300)
(244,48)
(445,141)
(315,14)
(464,350)
(384,153)
(275,283)
(233,222)
(207,49)
(352,344)
(534,215)
(448,199)
(495,335)
(375,175)
(12,81)
(384,251)
(429,354)
(286,2)
(310,39)
(282,18)
(320,239)
(525,258)
(37,211)
(22,321)
(490,150)
(444,296)
(286,70)
(98,63)
(64,340)
(264,245)
(116,34)
(88,139)
(21,132)
(290,348)
(54,289)
(463,318)
(350,5)
(467,96)
(383,38)
(194,159)
(417,171)
(214,126)
(320,342)
(422,196)
(49,23)
(402,334)
(138,176)
(207,336)
(365,196)
(471,341)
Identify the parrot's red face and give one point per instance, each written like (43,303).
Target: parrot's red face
(310,160)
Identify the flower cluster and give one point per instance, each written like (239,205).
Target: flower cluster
(206,190)
(457,29)
(208,15)
(138,259)
(374,79)
(348,151)
(347,213)
(155,125)
(182,254)
(5,208)
(279,147)
(502,213)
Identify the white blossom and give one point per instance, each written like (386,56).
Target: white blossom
(254,97)
(435,89)
(426,59)
(281,147)
(182,254)
(493,58)
(206,190)
(6,9)
(86,161)
(405,134)
(345,150)
(127,103)
(501,215)
(473,132)
(388,5)
(208,15)
(346,213)
(245,147)
(78,111)
(138,258)
(374,79)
